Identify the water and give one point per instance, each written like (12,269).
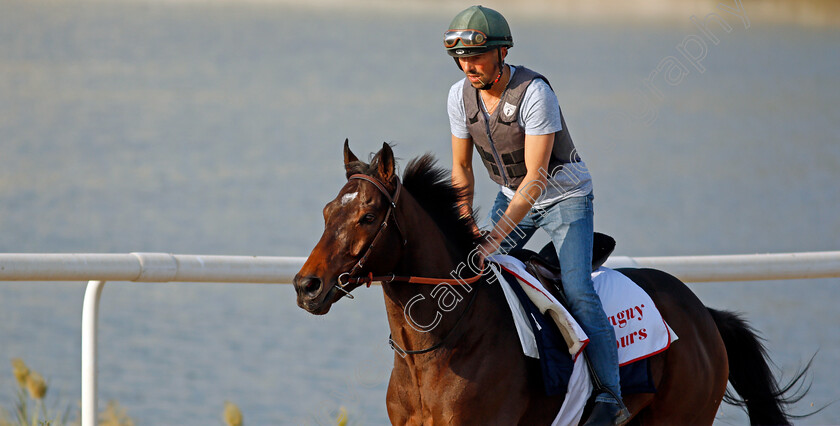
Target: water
(216,128)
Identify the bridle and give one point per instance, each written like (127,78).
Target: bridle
(392,206)
(351,277)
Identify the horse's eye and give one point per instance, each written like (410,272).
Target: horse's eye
(367,219)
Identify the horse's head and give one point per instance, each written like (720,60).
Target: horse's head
(361,213)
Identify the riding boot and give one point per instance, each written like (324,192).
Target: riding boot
(608,409)
(608,414)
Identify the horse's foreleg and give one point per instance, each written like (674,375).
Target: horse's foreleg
(402,400)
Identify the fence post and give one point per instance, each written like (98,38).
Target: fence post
(90,317)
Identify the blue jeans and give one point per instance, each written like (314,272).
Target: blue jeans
(569,222)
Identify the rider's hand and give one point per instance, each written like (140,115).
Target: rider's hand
(487,246)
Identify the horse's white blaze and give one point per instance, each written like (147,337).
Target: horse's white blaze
(346,198)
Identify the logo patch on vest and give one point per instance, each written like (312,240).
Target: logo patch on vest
(509,109)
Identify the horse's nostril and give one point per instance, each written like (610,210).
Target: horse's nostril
(311,285)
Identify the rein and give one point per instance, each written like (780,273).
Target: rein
(443,339)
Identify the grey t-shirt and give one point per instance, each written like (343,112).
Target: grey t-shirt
(538,115)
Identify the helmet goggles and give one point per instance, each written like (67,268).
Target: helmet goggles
(468,37)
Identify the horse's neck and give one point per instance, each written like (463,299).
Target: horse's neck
(427,252)
(420,315)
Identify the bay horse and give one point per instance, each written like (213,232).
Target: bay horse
(457,357)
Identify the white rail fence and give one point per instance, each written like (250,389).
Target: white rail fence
(162,267)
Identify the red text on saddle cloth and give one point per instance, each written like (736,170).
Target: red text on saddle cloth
(640,330)
(622,319)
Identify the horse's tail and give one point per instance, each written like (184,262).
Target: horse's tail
(749,373)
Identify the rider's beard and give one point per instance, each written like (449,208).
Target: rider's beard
(484,82)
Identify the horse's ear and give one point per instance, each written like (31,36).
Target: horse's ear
(385,163)
(349,157)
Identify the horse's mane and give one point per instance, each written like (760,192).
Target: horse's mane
(432,187)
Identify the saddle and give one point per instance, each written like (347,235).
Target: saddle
(545,266)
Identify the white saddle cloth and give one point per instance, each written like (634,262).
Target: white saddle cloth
(640,330)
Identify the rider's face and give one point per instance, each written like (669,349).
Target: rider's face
(483,68)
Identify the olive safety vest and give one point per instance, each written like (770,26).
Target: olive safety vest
(500,140)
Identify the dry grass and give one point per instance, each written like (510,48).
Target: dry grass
(31,408)
(232,414)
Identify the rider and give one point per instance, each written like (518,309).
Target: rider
(511,116)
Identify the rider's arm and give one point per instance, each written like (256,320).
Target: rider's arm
(462,172)
(537,155)
(540,117)
(462,146)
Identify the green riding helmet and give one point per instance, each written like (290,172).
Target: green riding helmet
(476,30)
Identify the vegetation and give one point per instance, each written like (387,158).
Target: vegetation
(341,418)
(31,408)
(232,414)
